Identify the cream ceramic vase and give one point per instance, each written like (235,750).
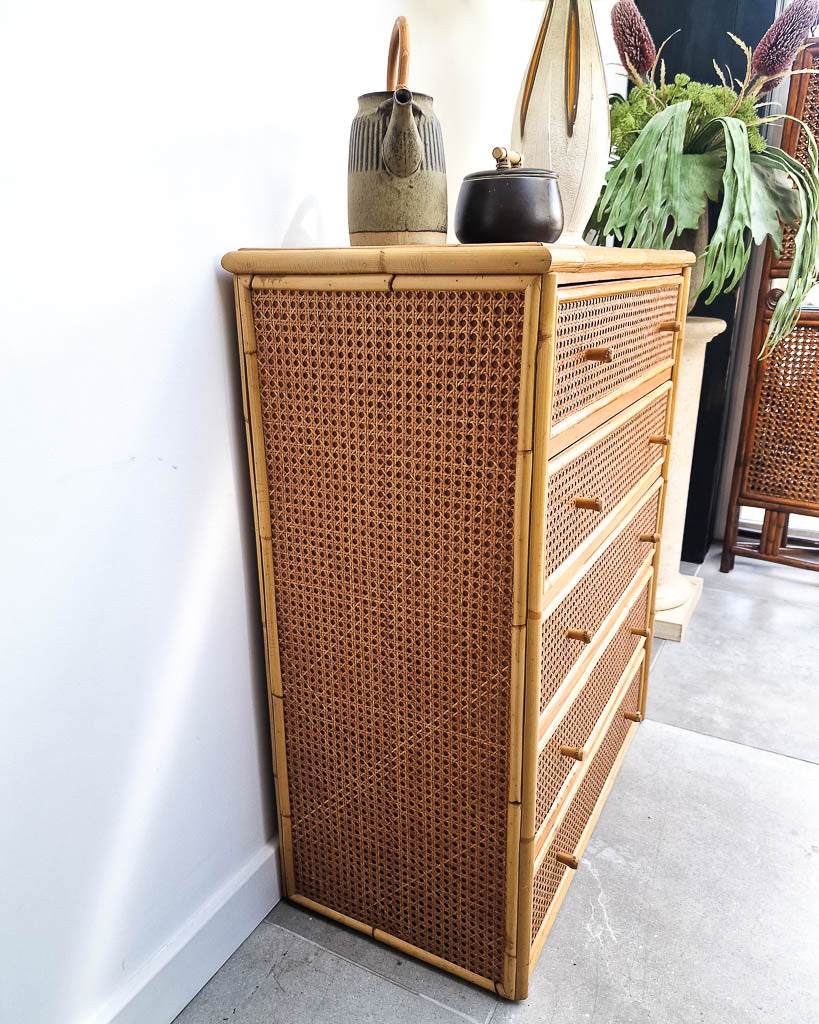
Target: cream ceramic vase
(562,115)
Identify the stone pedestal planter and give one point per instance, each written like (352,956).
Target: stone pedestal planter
(677,595)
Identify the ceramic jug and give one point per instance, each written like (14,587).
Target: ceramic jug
(396,185)
(562,116)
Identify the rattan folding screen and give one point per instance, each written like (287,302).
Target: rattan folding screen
(777,464)
(457,457)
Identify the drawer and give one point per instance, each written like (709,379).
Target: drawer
(607,342)
(590,484)
(571,629)
(565,744)
(568,842)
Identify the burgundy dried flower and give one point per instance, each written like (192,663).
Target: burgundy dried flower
(632,37)
(778,47)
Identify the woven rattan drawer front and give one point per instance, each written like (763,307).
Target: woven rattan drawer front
(599,473)
(573,730)
(622,332)
(783,462)
(570,832)
(590,602)
(390,436)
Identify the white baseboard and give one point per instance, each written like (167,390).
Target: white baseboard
(167,982)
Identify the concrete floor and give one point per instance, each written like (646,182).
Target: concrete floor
(697,899)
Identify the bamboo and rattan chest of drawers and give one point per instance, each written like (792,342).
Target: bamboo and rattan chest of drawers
(457,457)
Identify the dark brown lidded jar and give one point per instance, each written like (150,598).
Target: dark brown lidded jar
(509,204)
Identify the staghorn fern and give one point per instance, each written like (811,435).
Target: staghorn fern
(681,143)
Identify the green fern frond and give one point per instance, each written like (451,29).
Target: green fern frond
(805,266)
(729,250)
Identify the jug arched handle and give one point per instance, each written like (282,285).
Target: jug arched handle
(398,60)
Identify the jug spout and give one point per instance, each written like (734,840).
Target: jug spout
(403,148)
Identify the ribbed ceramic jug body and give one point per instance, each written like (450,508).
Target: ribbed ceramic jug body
(396,191)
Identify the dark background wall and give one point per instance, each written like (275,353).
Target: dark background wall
(705,24)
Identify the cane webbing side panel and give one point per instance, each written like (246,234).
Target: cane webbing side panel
(627,324)
(808,87)
(551,872)
(783,462)
(606,471)
(591,601)
(577,725)
(390,436)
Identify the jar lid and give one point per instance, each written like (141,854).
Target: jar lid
(512,172)
(509,162)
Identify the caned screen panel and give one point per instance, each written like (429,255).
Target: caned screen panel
(590,602)
(551,871)
(579,722)
(606,471)
(810,115)
(784,456)
(627,325)
(390,433)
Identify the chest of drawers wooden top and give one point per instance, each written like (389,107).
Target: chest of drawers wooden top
(457,457)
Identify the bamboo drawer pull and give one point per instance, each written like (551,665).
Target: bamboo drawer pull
(632,716)
(662,439)
(674,326)
(592,504)
(639,631)
(568,859)
(583,635)
(649,538)
(598,355)
(575,753)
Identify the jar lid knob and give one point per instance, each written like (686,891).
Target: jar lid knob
(506,157)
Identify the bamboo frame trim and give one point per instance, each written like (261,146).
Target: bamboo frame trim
(391,940)
(520,537)
(464,282)
(571,293)
(336,283)
(780,559)
(572,686)
(261,515)
(521,542)
(543,381)
(531,334)
(516,699)
(682,314)
(518,258)
(545,928)
(792,505)
(557,812)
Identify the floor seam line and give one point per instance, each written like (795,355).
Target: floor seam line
(377,974)
(736,743)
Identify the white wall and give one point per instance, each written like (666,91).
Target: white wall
(140,143)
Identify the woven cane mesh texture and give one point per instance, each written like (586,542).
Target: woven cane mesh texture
(588,604)
(627,324)
(390,433)
(607,471)
(579,722)
(784,458)
(810,115)
(567,837)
